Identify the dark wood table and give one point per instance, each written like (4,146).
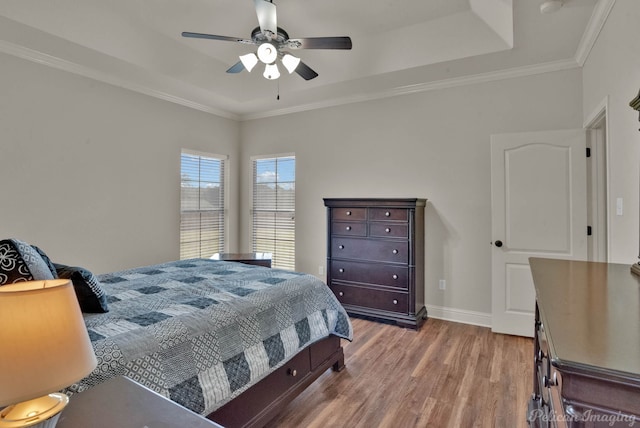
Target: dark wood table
(257,259)
(120,402)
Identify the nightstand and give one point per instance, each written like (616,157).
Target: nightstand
(123,403)
(257,259)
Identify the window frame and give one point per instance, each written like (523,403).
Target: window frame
(253,160)
(224,159)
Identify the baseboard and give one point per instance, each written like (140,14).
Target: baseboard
(459,315)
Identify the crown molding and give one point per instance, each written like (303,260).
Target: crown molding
(596,23)
(511,73)
(71,67)
(594,27)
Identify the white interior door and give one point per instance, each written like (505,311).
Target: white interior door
(539,209)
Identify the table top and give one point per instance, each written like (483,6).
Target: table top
(121,402)
(591,315)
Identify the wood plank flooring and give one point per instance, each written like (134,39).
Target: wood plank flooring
(445,375)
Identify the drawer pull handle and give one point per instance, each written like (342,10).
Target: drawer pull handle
(550,382)
(341,270)
(395,302)
(341,294)
(341,247)
(387,230)
(394,276)
(348,227)
(293,372)
(348,212)
(395,251)
(387,214)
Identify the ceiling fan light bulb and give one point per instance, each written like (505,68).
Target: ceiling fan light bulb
(290,62)
(271,72)
(267,53)
(249,61)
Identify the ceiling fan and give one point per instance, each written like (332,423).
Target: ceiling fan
(272,42)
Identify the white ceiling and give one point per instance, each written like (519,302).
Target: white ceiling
(398,47)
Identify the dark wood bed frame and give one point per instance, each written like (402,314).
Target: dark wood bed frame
(263,401)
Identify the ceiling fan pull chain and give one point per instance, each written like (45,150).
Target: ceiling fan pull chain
(278,97)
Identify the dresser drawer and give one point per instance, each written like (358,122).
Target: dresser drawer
(393,214)
(389,230)
(372,250)
(349,228)
(349,214)
(370,273)
(379,299)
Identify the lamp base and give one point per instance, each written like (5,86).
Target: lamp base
(42,412)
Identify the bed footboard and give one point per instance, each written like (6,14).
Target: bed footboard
(263,401)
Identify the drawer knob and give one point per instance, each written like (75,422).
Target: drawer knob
(395,302)
(341,270)
(395,251)
(348,227)
(341,247)
(341,294)
(394,276)
(387,214)
(387,230)
(293,372)
(348,213)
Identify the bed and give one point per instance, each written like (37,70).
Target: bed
(230,341)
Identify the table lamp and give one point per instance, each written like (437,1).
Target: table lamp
(45,348)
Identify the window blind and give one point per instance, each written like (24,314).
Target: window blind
(274,209)
(201,205)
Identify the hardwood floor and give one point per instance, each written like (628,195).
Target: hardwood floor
(446,375)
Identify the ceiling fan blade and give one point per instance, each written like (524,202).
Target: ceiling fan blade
(320,43)
(267,17)
(214,37)
(236,68)
(305,71)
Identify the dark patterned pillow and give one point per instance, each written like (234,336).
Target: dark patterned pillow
(47,260)
(91,296)
(20,262)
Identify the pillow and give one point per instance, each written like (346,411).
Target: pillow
(91,296)
(47,260)
(20,262)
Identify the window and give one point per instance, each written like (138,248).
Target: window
(202,211)
(274,209)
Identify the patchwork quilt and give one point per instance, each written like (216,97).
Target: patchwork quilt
(200,332)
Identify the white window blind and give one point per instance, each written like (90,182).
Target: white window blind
(274,209)
(202,207)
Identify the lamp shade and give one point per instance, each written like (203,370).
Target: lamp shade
(45,344)
(249,61)
(290,62)
(271,72)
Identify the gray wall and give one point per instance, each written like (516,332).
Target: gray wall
(433,145)
(611,75)
(91,172)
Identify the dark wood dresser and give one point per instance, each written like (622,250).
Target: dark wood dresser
(587,345)
(375,257)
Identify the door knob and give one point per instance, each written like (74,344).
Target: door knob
(498,243)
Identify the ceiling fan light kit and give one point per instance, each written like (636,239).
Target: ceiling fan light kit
(270,40)
(267,53)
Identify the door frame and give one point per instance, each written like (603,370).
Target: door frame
(598,191)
